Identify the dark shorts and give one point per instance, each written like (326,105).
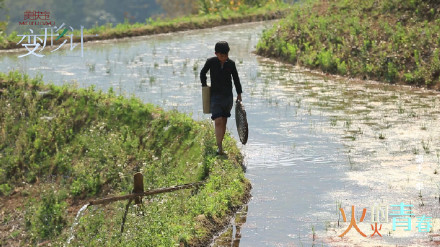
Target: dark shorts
(221,106)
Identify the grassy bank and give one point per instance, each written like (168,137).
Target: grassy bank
(62,146)
(268,11)
(389,40)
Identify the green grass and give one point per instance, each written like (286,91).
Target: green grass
(203,20)
(64,146)
(390,40)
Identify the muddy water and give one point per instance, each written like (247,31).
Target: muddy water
(315,143)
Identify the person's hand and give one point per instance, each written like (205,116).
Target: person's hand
(239,97)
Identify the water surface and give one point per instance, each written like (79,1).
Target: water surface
(314,143)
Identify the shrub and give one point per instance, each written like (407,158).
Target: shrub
(46,218)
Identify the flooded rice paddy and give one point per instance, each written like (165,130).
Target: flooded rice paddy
(316,143)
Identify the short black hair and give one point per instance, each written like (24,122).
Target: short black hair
(222,47)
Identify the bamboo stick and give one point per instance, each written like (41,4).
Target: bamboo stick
(146,193)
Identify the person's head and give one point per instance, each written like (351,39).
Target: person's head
(222,50)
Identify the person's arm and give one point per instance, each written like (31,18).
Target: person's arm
(236,82)
(203,73)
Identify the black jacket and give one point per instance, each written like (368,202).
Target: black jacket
(221,78)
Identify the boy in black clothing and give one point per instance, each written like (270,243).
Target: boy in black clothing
(222,70)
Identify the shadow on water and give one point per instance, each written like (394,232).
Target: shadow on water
(315,143)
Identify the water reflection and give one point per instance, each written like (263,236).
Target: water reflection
(232,235)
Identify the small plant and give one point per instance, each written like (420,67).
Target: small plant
(438,187)
(338,211)
(347,123)
(333,121)
(381,136)
(425,146)
(91,67)
(5,189)
(401,110)
(412,114)
(415,150)
(327,225)
(46,218)
(350,161)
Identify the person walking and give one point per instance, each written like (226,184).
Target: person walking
(222,71)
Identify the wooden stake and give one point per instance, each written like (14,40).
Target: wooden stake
(138,187)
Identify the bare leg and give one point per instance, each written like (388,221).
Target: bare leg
(220,129)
